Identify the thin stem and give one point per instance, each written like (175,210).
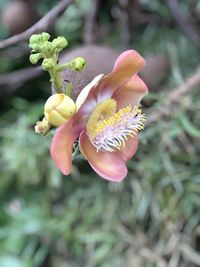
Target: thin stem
(56,80)
(64,66)
(68,89)
(55,76)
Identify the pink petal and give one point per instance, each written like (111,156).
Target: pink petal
(130,148)
(129,60)
(62,143)
(126,66)
(131,93)
(109,166)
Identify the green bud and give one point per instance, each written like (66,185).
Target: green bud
(78,64)
(59,43)
(48,48)
(34,58)
(47,64)
(35,38)
(35,47)
(37,41)
(45,36)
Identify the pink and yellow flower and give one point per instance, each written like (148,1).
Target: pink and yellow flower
(107,121)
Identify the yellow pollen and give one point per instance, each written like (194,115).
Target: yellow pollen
(116,118)
(103,111)
(108,130)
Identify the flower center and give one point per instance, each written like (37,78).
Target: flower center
(102,111)
(108,130)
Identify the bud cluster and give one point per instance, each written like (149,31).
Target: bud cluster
(43,48)
(59,107)
(49,51)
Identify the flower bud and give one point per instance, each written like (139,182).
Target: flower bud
(45,36)
(59,43)
(35,57)
(42,127)
(34,39)
(48,48)
(58,109)
(78,64)
(39,38)
(35,47)
(47,64)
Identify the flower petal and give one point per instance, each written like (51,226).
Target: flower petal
(109,166)
(131,93)
(85,91)
(62,143)
(129,60)
(130,148)
(126,66)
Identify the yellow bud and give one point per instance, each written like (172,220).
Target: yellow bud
(58,109)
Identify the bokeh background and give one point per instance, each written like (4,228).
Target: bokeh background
(151,219)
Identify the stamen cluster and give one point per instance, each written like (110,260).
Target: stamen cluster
(111,133)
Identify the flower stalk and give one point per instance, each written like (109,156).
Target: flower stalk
(49,51)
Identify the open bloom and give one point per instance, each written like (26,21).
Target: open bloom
(107,121)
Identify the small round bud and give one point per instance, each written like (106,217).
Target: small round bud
(59,43)
(45,36)
(58,109)
(42,127)
(34,58)
(35,47)
(48,48)
(47,64)
(35,38)
(78,64)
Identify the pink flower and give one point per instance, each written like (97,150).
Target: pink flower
(107,121)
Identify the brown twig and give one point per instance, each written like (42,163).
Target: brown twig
(183,22)
(12,81)
(90,22)
(174,97)
(15,52)
(193,12)
(42,25)
(125,22)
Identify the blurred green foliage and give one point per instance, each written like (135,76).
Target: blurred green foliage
(48,220)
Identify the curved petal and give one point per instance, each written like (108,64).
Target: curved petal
(129,59)
(85,91)
(131,93)
(63,141)
(126,66)
(130,148)
(109,166)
